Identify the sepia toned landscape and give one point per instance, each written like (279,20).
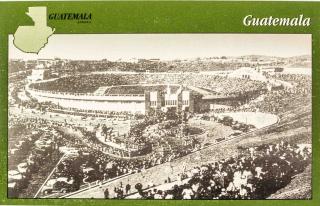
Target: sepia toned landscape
(208,127)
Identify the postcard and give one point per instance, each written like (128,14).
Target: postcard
(122,102)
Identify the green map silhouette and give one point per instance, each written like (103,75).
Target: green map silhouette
(31,39)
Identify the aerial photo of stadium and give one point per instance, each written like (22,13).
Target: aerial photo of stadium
(179,116)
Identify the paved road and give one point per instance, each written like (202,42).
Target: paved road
(49,176)
(160,173)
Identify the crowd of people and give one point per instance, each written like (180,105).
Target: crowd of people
(92,166)
(280,101)
(90,83)
(254,174)
(91,155)
(215,83)
(32,146)
(94,113)
(276,101)
(88,144)
(218,63)
(86,83)
(140,89)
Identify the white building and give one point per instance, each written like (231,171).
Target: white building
(38,74)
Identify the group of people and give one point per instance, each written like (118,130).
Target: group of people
(254,174)
(83,83)
(86,84)
(103,167)
(32,146)
(94,113)
(251,175)
(283,100)
(222,85)
(276,101)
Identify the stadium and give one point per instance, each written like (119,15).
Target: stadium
(140,93)
(161,131)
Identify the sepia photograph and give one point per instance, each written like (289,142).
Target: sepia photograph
(161,116)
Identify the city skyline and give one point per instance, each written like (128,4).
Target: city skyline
(166,46)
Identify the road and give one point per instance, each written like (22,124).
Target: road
(49,176)
(160,173)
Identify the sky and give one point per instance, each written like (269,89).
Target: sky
(166,46)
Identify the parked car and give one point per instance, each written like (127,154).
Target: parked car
(59,185)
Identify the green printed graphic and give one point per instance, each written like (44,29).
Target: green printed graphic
(32,38)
